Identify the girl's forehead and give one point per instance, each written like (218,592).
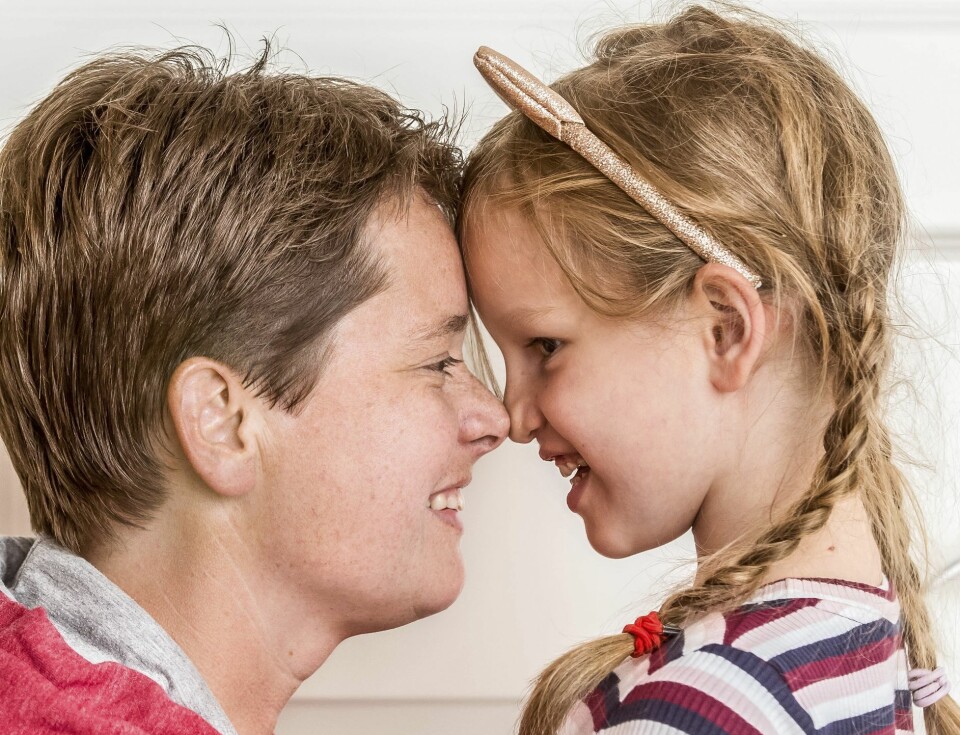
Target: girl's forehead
(513,277)
(506,237)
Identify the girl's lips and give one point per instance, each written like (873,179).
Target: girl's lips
(557,456)
(578,488)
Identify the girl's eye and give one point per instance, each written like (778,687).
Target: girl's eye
(444,365)
(546,346)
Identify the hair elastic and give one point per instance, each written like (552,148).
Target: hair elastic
(524,92)
(928,686)
(648,633)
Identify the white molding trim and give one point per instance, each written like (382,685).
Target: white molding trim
(952,572)
(931,14)
(938,243)
(934,14)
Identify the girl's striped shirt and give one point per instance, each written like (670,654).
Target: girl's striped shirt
(801,656)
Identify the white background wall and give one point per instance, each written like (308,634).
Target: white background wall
(534,586)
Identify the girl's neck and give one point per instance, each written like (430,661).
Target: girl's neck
(843,549)
(776,442)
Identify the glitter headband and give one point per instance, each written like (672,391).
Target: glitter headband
(523,91)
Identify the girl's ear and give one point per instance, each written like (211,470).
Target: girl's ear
(215,419)
(735,324)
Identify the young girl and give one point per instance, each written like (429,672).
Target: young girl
(684,254)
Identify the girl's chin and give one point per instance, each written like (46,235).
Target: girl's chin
(621,542)
(609,544)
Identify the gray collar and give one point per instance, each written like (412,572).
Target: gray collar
(102,623)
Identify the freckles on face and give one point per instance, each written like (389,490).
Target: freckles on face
(353,472)
(614,401)
(621,396)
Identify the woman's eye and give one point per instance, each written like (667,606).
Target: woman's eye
(444,365)
(545,345)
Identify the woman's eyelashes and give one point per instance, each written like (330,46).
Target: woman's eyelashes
(445,365)
(546,346)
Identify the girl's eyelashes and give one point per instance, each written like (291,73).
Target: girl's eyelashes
(546,346)
(444,365)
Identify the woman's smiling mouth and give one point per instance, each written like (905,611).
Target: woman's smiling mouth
(446,505)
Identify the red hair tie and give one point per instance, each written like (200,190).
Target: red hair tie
(648,633)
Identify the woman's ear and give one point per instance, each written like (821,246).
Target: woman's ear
(735,324)
(214,416)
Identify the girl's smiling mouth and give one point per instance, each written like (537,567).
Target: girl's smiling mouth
(576,469)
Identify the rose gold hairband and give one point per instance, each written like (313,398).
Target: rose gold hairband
(523,91)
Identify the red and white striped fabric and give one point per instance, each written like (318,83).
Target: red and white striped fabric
(801,656)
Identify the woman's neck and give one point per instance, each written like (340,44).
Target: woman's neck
(252,643)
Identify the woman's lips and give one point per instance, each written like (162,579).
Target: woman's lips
(451,517)
(446,506)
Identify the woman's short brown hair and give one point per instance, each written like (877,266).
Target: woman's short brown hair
(154,207)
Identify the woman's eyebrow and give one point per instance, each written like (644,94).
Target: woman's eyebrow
(451,325)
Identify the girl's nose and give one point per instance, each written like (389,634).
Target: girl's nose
(525,416)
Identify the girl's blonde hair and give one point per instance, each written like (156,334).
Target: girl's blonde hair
(765,145)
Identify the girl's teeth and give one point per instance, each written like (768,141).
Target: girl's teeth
(569,467)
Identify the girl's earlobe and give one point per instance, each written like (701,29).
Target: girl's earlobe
(736,325)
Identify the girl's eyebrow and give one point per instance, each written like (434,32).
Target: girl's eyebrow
(530,312)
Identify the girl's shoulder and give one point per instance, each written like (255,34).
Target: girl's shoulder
(801,654)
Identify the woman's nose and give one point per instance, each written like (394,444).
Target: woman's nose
(486,425)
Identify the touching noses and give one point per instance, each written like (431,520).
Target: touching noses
(485,423)
(525,417)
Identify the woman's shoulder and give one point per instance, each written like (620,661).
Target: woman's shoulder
(800,655)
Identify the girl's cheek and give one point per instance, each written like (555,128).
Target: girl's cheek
(559,406)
